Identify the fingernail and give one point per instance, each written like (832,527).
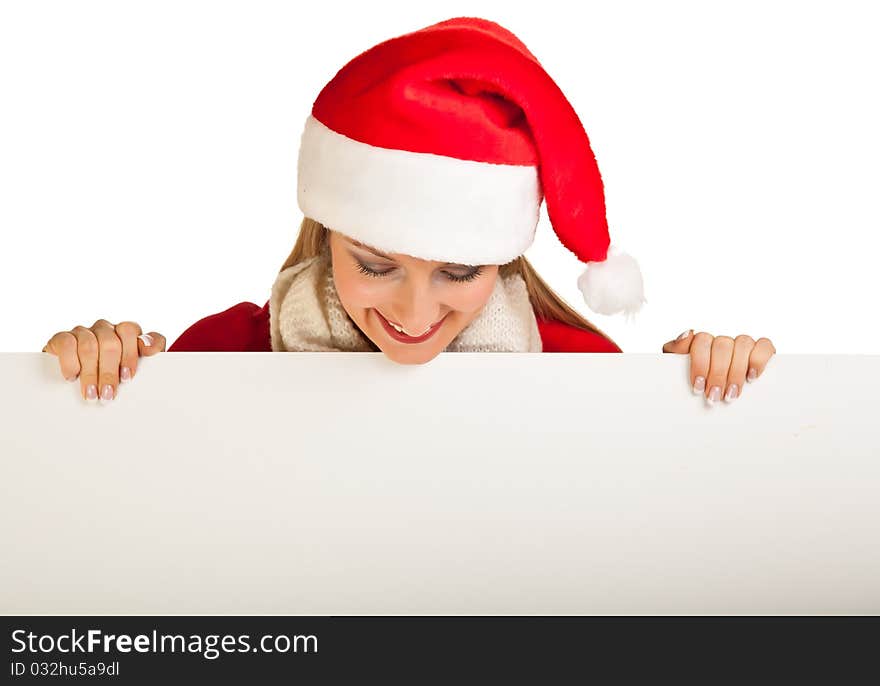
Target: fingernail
(91,392)
(683,335)
(714,394)
(147,339)
(752,375)
(107,392)
(732,393)
(699,384)
(125,374)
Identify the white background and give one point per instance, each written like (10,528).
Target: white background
(148,156)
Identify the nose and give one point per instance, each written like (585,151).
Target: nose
(416,308)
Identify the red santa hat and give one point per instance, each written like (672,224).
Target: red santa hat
(441,144)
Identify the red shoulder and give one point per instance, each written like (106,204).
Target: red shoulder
(559,337)
(242,328)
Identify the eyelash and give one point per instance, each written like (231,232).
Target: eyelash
(364,269)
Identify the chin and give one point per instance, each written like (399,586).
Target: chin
(409,357)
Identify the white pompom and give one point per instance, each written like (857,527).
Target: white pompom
(613,285)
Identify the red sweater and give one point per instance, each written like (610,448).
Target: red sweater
(245,328)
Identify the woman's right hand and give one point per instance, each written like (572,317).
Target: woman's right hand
(102,355)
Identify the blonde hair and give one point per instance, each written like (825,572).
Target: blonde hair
(313,236)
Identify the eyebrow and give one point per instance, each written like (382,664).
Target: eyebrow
(379,253)
(372,250)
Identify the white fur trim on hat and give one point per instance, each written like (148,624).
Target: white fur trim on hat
(613,285)
(429,206)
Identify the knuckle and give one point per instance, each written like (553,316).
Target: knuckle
(88,345)
(111,346)
(743,339)
(64,340)
(722,348)
(128,328)
(102,323)
(767,342)
(702,336)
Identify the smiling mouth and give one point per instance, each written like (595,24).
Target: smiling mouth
(406,338)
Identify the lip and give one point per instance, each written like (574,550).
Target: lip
(403,338)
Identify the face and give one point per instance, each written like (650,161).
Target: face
(431,301)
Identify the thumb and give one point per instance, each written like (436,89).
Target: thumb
(682,344)
(150,344)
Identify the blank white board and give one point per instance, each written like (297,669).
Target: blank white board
(480,483)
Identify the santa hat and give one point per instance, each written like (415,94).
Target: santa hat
(441,143)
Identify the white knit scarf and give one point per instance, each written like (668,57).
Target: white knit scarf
(305,315)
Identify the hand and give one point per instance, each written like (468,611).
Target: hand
(102,354)
(720,364)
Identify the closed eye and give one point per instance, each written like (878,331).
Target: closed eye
(458,278)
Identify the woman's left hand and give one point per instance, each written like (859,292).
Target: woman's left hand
(721,364)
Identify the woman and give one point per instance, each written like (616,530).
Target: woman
(422,168)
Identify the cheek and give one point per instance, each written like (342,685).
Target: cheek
(358,291)
(469,297)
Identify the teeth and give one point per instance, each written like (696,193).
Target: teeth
(405,333)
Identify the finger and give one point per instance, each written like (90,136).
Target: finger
(681,344)
(742,348)
(719,368)
(109,357)
(760,356)
(701,348)
(87,352)
(63,345)
(128,333)
(151,343)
